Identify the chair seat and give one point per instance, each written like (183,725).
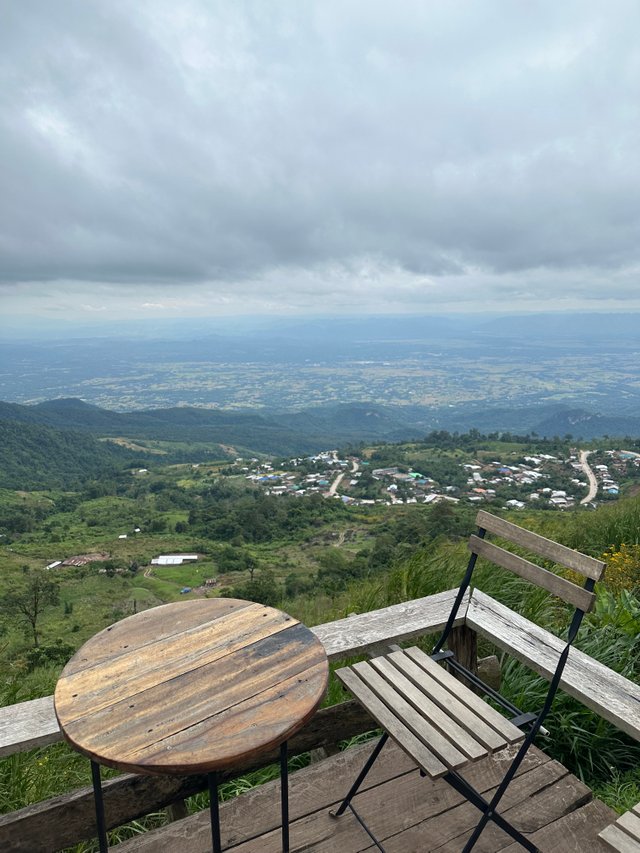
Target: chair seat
(432,716)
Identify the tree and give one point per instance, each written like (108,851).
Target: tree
(28,599)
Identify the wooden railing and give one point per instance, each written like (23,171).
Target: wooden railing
(65,820)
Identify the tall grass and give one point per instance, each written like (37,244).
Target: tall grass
(612,525)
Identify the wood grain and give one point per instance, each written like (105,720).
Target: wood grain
(415,618)
(449,703)
(412,718)
(70,818)
(616,839)
(420,699)
(27,725)
(214,684)
(564,589)
(485,712)
(403,736)
(543,547)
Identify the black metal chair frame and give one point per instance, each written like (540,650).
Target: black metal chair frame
(520,719)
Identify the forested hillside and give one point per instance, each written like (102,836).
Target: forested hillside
(38,457)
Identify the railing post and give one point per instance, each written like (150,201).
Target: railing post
(463,642)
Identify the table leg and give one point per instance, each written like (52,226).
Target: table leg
(212,779)
(284,796)
(99,804)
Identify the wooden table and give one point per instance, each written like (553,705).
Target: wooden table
(190,687)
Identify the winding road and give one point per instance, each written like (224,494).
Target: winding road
(593,483)
(334,486)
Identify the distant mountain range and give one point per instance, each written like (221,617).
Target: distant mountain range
(56,444)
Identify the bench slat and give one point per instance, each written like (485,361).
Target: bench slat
(485,734)
(471,747)
(618,840)
(630,823)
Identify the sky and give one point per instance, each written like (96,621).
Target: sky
(277,157)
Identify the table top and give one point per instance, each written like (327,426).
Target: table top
(191,687)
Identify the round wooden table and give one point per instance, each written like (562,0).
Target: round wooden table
(190,687)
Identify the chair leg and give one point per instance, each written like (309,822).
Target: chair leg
(361,777)
(489,812)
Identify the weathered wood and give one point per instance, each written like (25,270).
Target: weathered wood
(448,832)
(449,702)
(415,720)
(463,642)
(399,622)
(617,839)
(489,671)
(160,627)
(481,709)
(465,741)
(608,694)
(624,835)
(561,554)
(219,686)
(68,819)
(391,798)
(405,738)
(630,823)
(29,724)
(576,832)
(564,589)
(312,791)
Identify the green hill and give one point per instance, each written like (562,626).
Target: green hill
(33,456)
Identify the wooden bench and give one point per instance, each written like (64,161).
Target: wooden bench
(624,835)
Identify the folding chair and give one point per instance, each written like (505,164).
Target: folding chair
(433,716)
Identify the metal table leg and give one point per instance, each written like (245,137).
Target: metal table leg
(99,804)
(284,796)
(212,779)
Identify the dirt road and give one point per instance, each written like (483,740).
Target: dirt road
(593,483)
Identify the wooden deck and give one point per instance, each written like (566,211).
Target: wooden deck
(407,813)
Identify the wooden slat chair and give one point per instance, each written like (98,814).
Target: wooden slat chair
(439,721)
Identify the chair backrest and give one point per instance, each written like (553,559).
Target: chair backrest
(581,597)
(590,568)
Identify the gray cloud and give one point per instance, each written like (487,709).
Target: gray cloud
(286,153)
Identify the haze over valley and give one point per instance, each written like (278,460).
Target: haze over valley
(550,374)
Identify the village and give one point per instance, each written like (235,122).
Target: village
(542,482)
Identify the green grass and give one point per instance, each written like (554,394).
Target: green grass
(189,574)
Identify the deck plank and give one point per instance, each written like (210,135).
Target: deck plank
(577,832)
(395,800)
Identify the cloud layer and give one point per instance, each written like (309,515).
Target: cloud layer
(320,156)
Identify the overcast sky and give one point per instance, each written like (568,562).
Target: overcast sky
(200,157)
